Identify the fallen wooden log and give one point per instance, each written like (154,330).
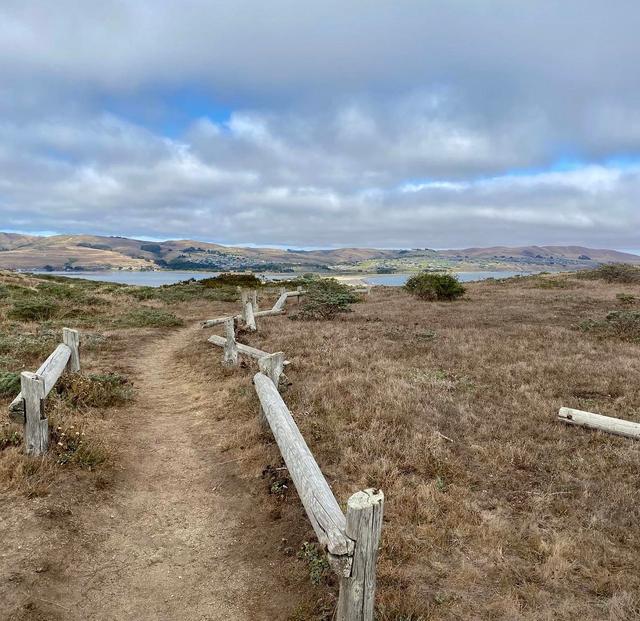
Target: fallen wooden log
(617,426)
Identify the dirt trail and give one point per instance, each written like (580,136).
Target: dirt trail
(178,539)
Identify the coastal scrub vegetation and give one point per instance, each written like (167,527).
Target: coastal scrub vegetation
(324,299)
(432,286)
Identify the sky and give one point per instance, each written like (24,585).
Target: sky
(408,123)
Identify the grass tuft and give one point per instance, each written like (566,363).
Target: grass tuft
(149,318)
(94,391)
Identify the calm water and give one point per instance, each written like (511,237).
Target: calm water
(141,279)
(156,279)
(397,280)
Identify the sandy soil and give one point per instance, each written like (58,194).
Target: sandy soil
(176,535)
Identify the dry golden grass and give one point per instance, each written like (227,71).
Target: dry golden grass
(113,321)
(494,510)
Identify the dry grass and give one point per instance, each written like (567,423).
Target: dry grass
(113,320)
(494,510)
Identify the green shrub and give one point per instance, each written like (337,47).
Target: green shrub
(325,298)
(149,318)
(316,561)
(9,384)
(60,291)
(613,272)
(33,310)
(622,324)
(627,299)
(29,346)
(232,280)
(430,286)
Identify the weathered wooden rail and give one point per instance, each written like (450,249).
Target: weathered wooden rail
(617,426)
(250,312)
(351,541)
(28,407)
(240,347)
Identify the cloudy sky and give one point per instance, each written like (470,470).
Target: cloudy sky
(407,123)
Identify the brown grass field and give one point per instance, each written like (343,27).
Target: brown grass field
(494,509)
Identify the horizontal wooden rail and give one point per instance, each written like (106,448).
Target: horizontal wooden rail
(323,511)
(242,349)
(209,323)
(50,371)
(620,427)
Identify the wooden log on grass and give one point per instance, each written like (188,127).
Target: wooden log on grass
(364,526)
(253,297)
(242,348)
(617,426)
(50,370)
(36,426)
(323,511)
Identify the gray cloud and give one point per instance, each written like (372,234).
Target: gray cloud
(395,124)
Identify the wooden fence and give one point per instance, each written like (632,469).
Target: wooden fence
(351,541)
(28,407)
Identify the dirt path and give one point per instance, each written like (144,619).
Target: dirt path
(176,539)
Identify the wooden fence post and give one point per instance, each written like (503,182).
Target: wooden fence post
(36,426)
(272,366)
(299,290)
(71,338)
(364,525)
(249,317)
(244,298)
(230,348)
(254,300)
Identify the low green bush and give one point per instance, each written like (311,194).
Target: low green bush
(622,324)
(432,286)
(325,298)
(627,299)
(9,384)
(232,280)
(33,310)
(613,272)
(29,346)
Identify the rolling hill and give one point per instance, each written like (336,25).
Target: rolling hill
(92,252)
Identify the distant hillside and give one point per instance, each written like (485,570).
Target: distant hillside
(92,252)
